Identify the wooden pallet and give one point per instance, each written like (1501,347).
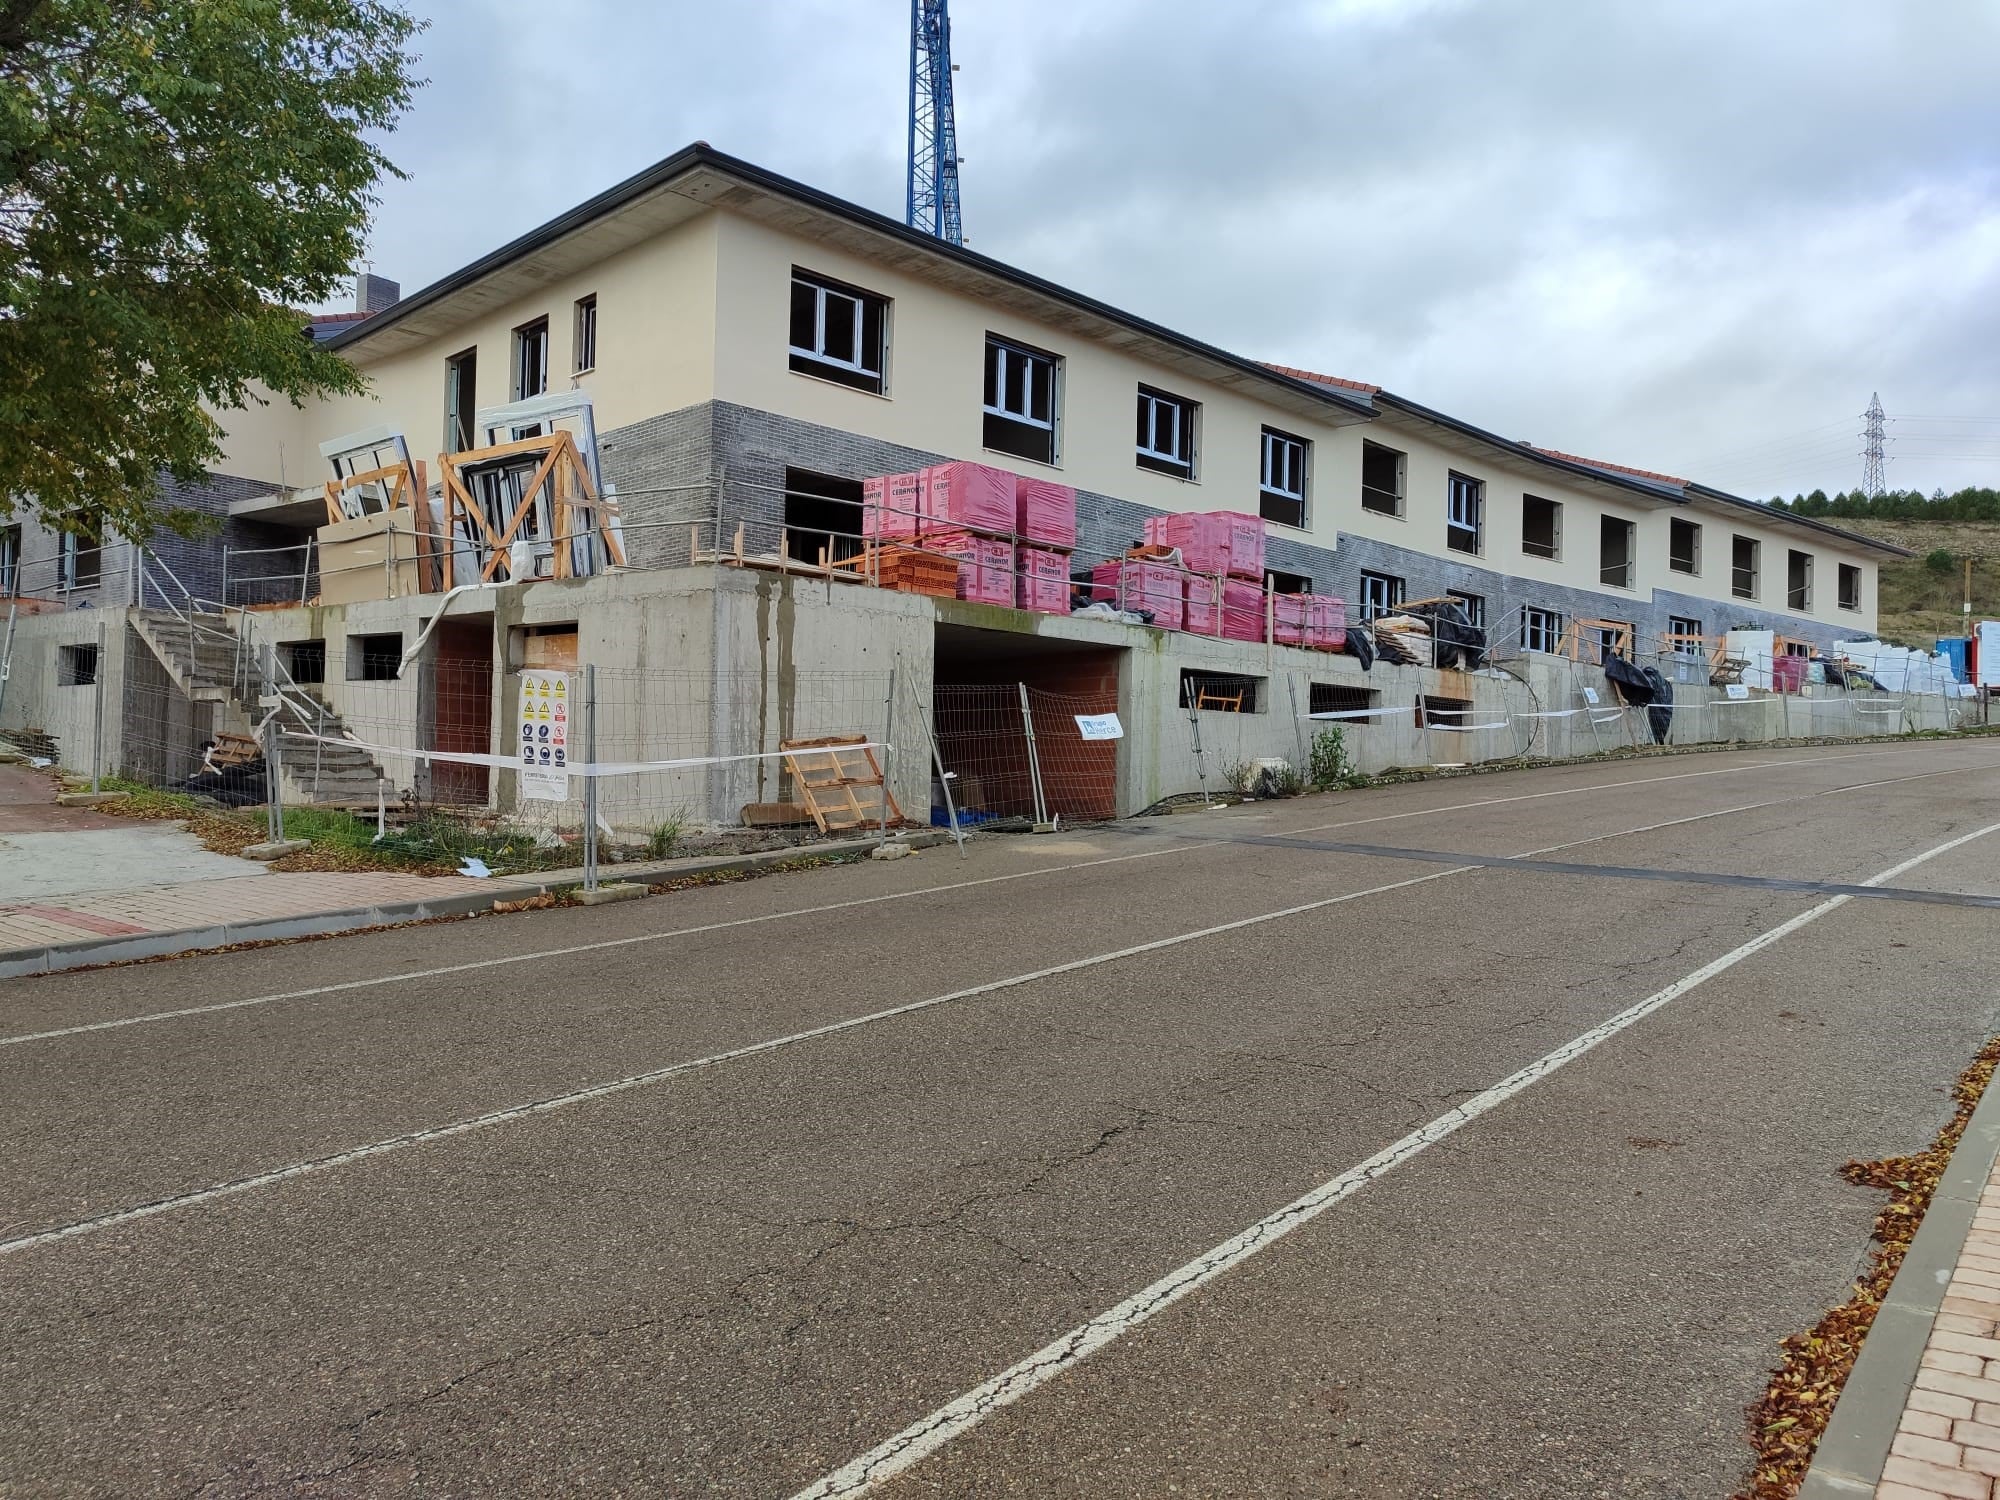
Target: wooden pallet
(840,782)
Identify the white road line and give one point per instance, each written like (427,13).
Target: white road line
(606,944)
(923,1438)
(673,1070)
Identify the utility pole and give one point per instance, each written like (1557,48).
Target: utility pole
(1873,462)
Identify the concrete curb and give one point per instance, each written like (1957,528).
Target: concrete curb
(24,962)
(1848,1462)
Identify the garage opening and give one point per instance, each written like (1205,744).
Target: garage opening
(990,688)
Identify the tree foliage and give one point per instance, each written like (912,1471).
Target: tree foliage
(1970,504)
(177,178)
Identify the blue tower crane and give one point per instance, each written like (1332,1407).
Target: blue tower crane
(933,200)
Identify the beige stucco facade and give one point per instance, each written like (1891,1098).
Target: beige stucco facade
(698,313)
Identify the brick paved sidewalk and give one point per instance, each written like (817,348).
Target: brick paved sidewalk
(1948,1442)
(205,904)
(1919,1416)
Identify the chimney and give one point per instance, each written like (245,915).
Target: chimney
(372,293)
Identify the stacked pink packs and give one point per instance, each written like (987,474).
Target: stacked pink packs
(1242,610)
(1200,614)
(1044,582)
(1045,513)
(1202,537)
(1288,619)
(971,496)
(1246,543)
(1135,585)
(1326,623)
(985,565)
(892,505)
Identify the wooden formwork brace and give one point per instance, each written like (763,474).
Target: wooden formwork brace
(835,775)
(404,488)
(567,478)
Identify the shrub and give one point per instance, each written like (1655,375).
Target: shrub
(1941,561)
(1327,761)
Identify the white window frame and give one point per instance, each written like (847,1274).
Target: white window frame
(1543,626)
(10,560)
(1675,626)
(1393,591)
(1285,470)
(1465,496)
(1004,356)
(537,331)
(1175,418)
(824,291)
(583,350)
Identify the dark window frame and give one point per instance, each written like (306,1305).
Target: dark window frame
(1372,495)
(1678,526)
(1744,580)
(812,497)
(1534,547)
(461,399)
(583,344)
(1628,570)
(1847,598)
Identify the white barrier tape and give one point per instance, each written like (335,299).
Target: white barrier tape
(576,768)
(1555,713)
(1360,713)
(1741,702)
(1468,728)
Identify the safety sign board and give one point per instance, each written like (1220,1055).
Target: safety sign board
(1100,727)
(543,743)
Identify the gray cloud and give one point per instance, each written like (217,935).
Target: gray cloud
(1692,237)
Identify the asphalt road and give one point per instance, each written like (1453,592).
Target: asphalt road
(1159,1159)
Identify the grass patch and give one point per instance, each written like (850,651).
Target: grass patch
(1787,1422)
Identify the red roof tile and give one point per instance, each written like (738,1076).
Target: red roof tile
(1317,378)
(1598,463)
(346,317)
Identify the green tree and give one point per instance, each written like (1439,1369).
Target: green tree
(177,178)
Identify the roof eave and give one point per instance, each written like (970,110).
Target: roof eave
(1788,518)
(701,155)
(1631,484)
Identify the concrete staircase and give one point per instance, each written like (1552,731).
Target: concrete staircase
(208,664)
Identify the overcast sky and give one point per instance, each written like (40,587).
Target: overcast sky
(1691,235)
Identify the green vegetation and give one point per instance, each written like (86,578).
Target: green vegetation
(178,180)
(1970,504)
(1940,561)
(1328,762)
(665,838)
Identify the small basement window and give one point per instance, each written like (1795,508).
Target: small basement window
(1850,586)
(547,648)
(76,666)
(1541,526)
(304,660)
(1339,698)
(1220,692)
(374,658)
(822,513)
(1444,713)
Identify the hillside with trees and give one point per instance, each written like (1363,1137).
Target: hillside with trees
(1922,597)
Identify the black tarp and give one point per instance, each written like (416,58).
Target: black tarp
(1459,643)
(1660,712)
(1360,646)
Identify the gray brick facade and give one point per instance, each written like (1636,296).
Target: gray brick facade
(670,469)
